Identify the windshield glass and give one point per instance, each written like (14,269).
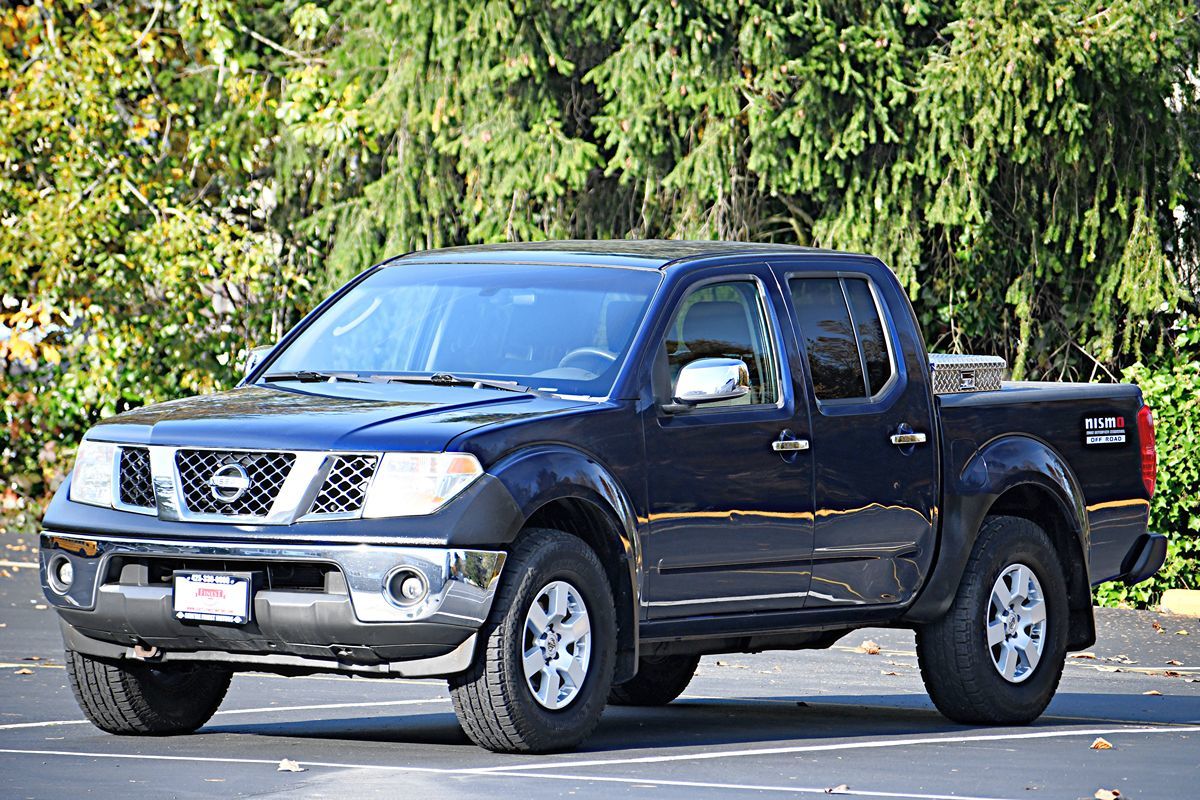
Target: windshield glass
(559,329)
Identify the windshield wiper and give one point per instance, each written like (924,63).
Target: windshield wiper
(312,376)
(446,379)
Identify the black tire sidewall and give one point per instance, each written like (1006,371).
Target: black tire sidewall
(1030,547)
(561,560)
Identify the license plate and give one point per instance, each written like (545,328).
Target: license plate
(213,597)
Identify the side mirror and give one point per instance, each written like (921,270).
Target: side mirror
(710,380)
(255,357)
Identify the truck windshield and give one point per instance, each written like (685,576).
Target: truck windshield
(558,329)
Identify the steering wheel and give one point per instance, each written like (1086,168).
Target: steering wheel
(586,352)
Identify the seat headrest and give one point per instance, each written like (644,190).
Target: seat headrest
(715,321)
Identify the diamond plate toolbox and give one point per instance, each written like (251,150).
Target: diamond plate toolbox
(964,373)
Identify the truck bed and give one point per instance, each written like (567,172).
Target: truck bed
(1107,475)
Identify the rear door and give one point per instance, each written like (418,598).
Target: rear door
(873,446)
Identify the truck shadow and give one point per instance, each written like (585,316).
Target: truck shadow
(706,722)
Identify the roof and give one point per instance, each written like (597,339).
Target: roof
(636,253)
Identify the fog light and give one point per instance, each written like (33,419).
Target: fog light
(60,574)
(406,587)
(412,589)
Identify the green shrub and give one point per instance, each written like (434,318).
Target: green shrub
(1172,390)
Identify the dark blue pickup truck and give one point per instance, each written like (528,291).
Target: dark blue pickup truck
(557,474)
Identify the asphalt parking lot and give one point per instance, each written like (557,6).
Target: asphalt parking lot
(808,723)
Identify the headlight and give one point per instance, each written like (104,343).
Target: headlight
(412,484)
(91,482)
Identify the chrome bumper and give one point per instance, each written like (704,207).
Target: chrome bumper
(462,583)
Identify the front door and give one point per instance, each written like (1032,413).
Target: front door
(876,484)
(730,516)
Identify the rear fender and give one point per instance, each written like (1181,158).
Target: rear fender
(1003,464)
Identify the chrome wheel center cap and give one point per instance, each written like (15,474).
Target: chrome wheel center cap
(1016,627)
(557,645)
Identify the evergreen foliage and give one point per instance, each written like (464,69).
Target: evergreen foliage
(180,179)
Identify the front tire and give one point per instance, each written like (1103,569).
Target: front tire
(997,655)
(541,677)
(138,699)
(659,680)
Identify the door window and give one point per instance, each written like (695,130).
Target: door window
(848,352)
(725,320)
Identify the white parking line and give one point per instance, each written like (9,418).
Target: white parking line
(849,792)
(749,787)
(213,759)
(817,704)
(817,748)
(263,710)
(345,678)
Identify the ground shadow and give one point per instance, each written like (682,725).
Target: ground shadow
(714,722)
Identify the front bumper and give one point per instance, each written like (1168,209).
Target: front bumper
(320,608)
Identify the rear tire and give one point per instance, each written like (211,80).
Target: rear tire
(659,680)
(557,702)
(996,656)
(138,699)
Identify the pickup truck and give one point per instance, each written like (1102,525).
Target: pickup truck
(558,474)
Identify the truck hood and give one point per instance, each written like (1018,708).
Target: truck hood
(338,416)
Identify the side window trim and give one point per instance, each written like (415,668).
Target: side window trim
(858,345)
(888,335)
(773,342)
(885,321)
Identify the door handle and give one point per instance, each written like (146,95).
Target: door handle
(905,439)
(789,445)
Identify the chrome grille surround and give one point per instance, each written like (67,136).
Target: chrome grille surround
(135,484)
(286,486)
(345,488)
(267,472)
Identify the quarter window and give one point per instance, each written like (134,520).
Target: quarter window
(848,355)
(725,320)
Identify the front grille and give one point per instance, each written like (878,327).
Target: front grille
(136,488)
(345,488)
(266,473)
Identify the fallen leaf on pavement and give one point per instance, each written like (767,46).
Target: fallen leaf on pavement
(1083,655)
(841,788)
(1175,662)
(287,765)
(1107,794)
(1181,632)
(885,672)
(1109,669)
(1153,693)
(1170,673)
(869,647)
(1102,744)
(23,671)
(1158,627)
